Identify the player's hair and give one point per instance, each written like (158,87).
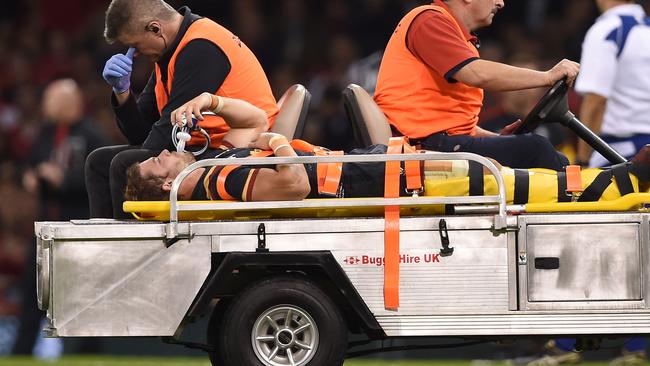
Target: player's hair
(140,188)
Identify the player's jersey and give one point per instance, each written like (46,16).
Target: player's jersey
(357,179)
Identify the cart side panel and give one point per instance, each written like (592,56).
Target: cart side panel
(130,287)
(583,261)
(597,262)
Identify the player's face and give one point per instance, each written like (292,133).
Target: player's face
(166,165)
(483,11)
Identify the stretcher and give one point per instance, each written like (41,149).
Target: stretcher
(285,289)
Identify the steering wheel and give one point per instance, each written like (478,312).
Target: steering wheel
(546,108)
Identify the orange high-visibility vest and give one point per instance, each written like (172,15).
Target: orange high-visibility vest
(418,101)
(246,80)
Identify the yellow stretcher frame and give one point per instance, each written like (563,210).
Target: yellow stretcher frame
(310,208)
(159,210)
(629,202)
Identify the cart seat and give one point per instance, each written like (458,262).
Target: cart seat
(369,124)
(294,107)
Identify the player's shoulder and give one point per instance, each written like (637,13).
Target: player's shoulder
(603,26)
(431,18)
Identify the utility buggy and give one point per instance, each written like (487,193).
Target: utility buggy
(284,283)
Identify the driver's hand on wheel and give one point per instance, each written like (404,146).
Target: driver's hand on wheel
(510,129)
(564,69)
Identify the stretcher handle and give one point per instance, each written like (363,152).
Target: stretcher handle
(500,218)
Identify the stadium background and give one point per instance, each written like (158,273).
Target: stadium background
(323,45)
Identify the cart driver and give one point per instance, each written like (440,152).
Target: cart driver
(431,81)
(152,179)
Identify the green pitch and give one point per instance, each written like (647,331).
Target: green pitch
(152,361)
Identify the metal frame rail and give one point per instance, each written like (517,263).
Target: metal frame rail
(175,206)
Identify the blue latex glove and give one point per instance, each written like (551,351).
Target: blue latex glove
(117,71)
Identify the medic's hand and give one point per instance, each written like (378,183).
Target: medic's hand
(509,129)
(564,69)
(192,109)
(117,71)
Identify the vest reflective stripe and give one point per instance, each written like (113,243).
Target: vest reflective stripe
(246,79)
(416,100)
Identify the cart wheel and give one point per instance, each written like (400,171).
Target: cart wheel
(277,322)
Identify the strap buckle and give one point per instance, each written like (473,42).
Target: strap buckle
(415,192)
(574,182)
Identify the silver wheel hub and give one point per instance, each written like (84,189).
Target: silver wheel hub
(284,335)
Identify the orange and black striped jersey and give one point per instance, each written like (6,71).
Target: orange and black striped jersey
(239,182)
(368,180)
(357,179)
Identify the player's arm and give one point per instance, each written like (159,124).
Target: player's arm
(245,120)
(595,83)
(592,112)
(287,182)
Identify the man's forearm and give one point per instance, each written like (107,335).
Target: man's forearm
(281,148)
(121,98)
(287,181)
(239,114)
(592,112)
(500,77)
(130,121)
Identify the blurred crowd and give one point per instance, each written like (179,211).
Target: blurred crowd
(323,45)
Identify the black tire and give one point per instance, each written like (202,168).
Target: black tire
(315,318)
(214,324)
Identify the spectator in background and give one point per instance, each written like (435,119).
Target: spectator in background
(615,80)
(431,82)
(15,226)
(56,175)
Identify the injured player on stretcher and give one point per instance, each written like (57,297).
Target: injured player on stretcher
(152,179)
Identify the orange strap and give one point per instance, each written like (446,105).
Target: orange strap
(573,179)
(321,169)
(391,228)
(328,174)
(333,171)
(413,171)
(223,175)
(300,145)
(391,188)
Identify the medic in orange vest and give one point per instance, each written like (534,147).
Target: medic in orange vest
(431,81)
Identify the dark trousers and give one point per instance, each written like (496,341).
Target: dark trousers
(106,178)
(515,151)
